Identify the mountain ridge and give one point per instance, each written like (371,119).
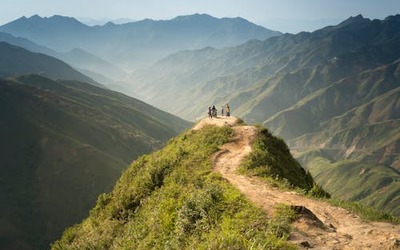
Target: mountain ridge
(156,40)
(81,60)
(298,86)
(17,60)
(193,220)
(64,142)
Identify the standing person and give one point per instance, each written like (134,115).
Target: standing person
(214,111)
(209,112)
(228,110)
(222,111)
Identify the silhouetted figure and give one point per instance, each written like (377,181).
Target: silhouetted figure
(228,110)
(213,111)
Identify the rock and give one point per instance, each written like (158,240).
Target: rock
(331,228)
(395,244)
(305,213)
(305,244)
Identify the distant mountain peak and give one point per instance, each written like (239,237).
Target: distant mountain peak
(196,16)
(356,20)
(123,44)
(110,24)
(395,18)
(57,19)
(34,17)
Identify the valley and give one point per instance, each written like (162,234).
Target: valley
(80,105)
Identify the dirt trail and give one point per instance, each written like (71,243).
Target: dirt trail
(332,228)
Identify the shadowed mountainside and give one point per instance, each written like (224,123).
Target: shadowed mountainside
(16,61)
(81,60)
(62,144)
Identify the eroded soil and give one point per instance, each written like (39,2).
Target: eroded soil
(322,226)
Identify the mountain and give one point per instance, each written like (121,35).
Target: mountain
(138,43)
(18,61)
(173,199)
(26,44)
(81,60)
(63,143)
(329,93)
(362,141)
(190,195)
(93,66)
(40,30)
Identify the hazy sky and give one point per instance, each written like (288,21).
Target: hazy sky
(284,15)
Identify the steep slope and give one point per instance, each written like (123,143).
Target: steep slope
(268,76)
(97,67)
(18,61)
(164,200)
(173,199)
(26,44)
(81,60)
(324,226)
(137,43)
(62,144)
(334,89)
(354,154)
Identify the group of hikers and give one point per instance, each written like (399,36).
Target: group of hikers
(212,111)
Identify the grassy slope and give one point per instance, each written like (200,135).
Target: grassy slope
(271,158)
(374,185)
(353,122)
(173,199)
(63,143)
(300,84)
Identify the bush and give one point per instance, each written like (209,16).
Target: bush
(271,158)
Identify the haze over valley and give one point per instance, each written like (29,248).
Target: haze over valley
(81,104)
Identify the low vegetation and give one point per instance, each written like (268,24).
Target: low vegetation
(365,212)
(353,181)
(172,199)
(271,160)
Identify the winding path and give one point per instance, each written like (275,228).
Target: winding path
(332,228)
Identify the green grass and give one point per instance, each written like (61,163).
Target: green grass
(365,212)
(172,199)
(271,160)
(373,185)
(277,171)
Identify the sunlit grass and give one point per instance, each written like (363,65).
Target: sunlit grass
(172,199)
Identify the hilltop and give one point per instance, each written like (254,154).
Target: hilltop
(179,197)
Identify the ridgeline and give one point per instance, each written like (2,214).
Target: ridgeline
(189,195)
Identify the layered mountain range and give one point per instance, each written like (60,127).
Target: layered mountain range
(332,93)
(137,43)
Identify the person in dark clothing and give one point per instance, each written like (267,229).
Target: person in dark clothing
(214,111)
